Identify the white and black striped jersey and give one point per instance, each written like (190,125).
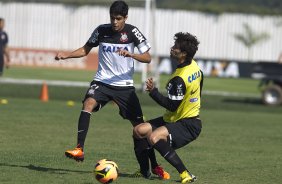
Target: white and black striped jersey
(113,69)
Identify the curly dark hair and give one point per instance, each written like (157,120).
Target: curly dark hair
(119,8)
(188,43)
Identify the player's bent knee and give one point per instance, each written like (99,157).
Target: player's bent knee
(89,104)
(140,131)
(154,138)
(136,133)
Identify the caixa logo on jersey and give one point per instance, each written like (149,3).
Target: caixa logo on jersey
(194,76)
(113,48)
(138,35)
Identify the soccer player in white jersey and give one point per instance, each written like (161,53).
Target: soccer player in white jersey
(113,81)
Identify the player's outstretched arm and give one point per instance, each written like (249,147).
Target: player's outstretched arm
(81,52)
(143,58)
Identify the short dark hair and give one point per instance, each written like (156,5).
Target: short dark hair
(119,8)
(1,19)
(187,43)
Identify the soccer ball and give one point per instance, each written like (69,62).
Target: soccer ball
(106,171)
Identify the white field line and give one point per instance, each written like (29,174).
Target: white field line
(234,94)
(86,84)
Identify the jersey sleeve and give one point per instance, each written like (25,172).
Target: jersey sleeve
(175,89)
(93,41)
(140,41)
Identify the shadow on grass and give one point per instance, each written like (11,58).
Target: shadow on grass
(58,171)
(62,171)
(44,169)
(153,177)
(126,175)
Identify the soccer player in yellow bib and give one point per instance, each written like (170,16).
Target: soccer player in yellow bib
(181,123)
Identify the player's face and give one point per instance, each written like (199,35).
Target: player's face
(118,22)
(176,53)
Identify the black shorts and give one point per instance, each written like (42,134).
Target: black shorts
(181,132)
(124,97)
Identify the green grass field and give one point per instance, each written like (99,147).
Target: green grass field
(240,141)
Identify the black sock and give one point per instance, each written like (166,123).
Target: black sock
(141,153)
(83,125)
(170,155)
(152,157)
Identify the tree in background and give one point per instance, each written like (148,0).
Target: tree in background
(250,38)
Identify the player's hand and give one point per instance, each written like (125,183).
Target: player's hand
(124,53)
(60,55)
(150,84)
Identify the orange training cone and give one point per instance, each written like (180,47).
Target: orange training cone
(44,97)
